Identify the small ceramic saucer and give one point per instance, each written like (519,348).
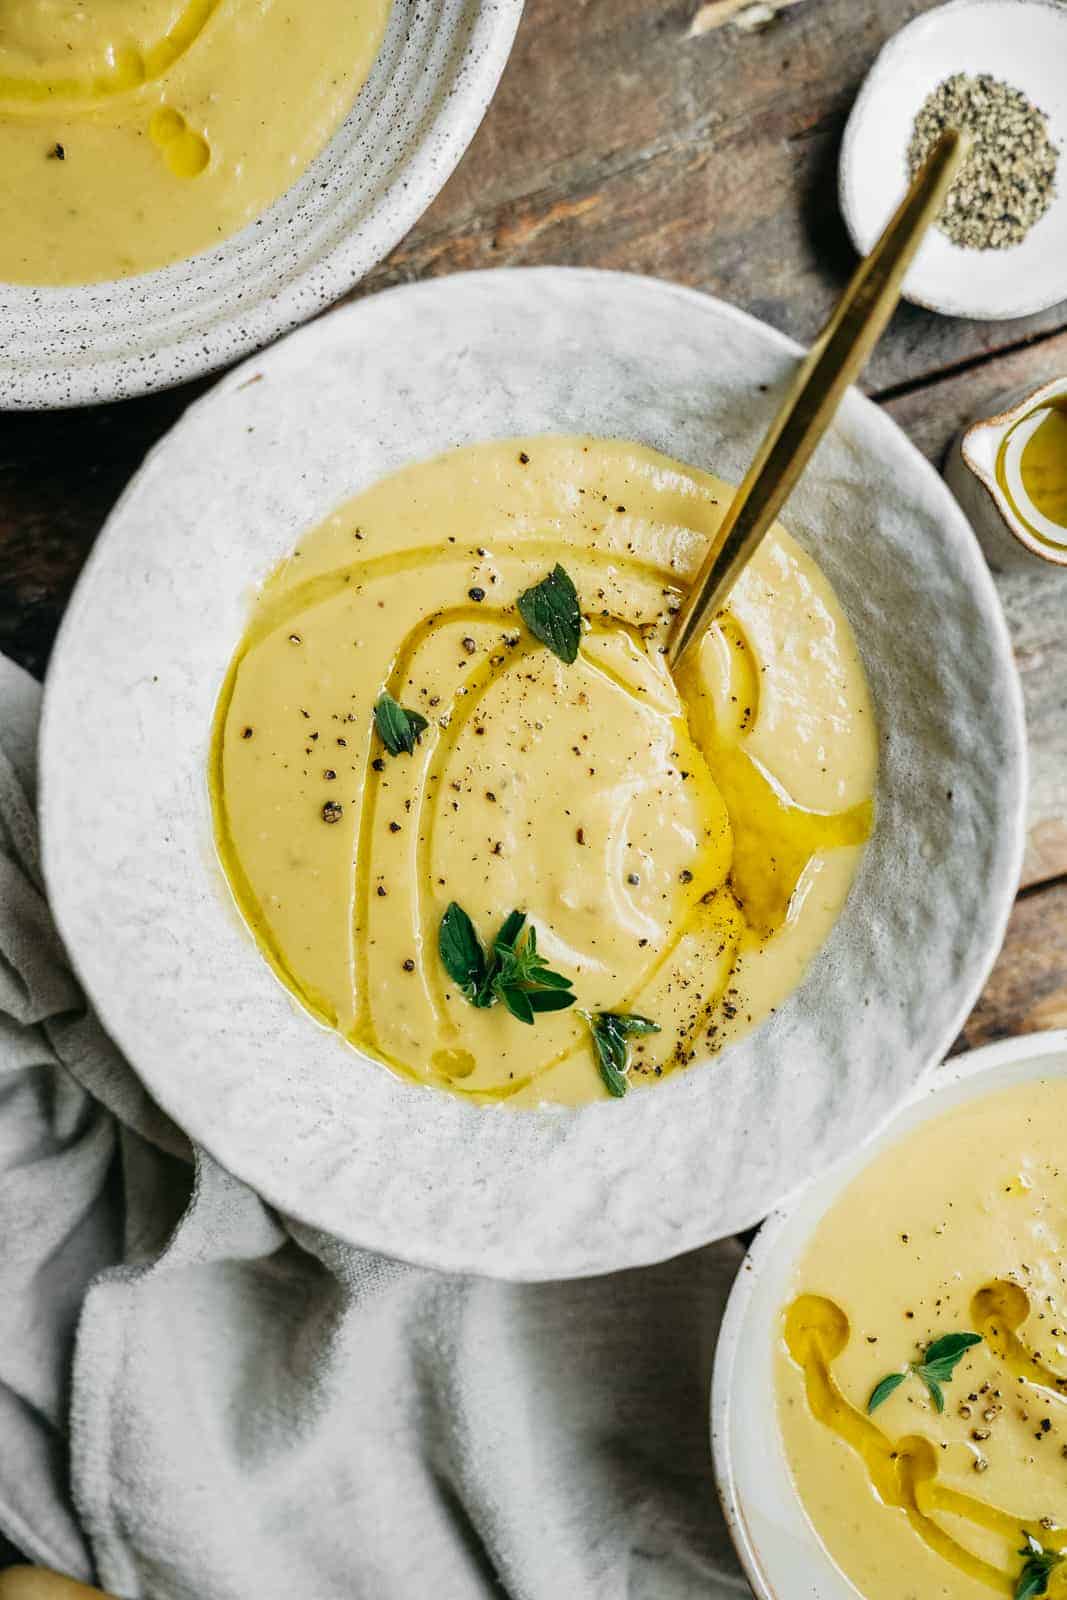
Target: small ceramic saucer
(1022,42)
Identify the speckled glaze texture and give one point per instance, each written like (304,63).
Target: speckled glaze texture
(335,1139)
(438,66)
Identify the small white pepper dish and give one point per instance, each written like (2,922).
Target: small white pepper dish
(782,1555)
(435,73)
(1019,42)
(983,472)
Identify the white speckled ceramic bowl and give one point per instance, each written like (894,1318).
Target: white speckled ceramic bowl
(436,71)
(1023,42)
(779,1549)
(336,1139)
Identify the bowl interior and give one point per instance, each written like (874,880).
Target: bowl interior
(438,65)
(337,1140)
(778,1547)
(1024,43)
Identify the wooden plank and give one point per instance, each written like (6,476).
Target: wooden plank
(619,138)
(1027,989)
(1035,602)
(932,414)
(60,474)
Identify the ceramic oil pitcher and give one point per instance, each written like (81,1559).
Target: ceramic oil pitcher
(1009,473)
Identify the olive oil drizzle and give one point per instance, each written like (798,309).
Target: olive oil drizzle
(788,840)
(445,734)
(774,838)
(904,1472)
(128,69)
(245,897)
(999,1310)
(1042,469)
(425,811)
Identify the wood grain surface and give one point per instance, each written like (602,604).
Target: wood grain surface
(656,136)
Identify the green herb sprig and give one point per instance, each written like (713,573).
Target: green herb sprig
(399,730)
(611,1032)
(936,1367)
(514,972)
(1039,1563)
(551,612)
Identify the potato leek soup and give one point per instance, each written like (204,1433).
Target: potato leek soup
(136,132)
(473,821)
(922,1368)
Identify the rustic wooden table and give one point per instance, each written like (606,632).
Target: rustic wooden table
(653,136)
(650,136)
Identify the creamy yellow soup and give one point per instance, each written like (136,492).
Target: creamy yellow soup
(959,1228)
(681,849)
(134,133)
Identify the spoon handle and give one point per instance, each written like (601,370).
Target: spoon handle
(834,361)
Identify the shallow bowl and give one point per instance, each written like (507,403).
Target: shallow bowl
(1023,42)
(779,1549)
(335,1139)
(438,65)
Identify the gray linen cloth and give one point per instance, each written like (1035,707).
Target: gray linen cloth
(201,1400)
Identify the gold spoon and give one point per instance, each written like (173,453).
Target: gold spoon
(834,361)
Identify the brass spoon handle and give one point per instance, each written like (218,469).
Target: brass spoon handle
(834,361)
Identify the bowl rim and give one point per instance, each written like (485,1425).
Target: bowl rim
(883,66)
(522,284)
(937,1082)
(243,327)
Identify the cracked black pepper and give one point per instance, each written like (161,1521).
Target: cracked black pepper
(1008,178)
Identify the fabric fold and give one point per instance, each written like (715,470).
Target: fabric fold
(201,1398)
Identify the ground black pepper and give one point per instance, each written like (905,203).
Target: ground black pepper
(1007,182)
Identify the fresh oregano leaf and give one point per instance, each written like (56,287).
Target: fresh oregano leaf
(935,1391)
(938,1363)
(551,612)
(940,1358)
(627,1022)
(461,950)
(1039,1563)
(517,1002)
(610,1030)
(549,979)
(1032,1581)
(510,929)
(514,973)
(883,1390)
(398,729)
(612,1070)
(550,999)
